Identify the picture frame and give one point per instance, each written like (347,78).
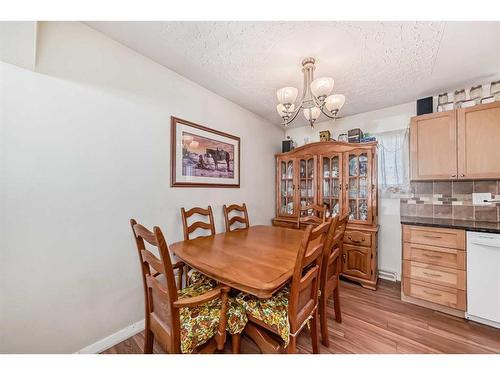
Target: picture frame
(203,157)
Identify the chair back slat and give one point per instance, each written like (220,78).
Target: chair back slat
(145,234)
(160,291)
(238,211)
(318,215)
(198,225)
(305,280)
(153,261)
(190,228)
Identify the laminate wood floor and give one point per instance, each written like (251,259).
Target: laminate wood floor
(379,322)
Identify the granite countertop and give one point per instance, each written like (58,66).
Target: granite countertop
(470,225)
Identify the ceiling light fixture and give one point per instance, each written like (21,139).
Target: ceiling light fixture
(316,98)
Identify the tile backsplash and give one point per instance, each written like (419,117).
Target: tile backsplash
(451,200)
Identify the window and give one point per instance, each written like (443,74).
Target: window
(393,163)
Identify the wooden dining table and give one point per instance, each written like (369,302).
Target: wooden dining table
(258,260)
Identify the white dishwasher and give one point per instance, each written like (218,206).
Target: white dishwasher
(483,278)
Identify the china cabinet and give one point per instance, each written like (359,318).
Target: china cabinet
(342,177)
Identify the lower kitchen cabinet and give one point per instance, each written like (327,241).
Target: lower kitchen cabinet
(434,268)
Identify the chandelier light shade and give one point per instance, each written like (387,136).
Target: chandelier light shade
(322,87)
(315,99)
(334,102)
(311,113)
(287,95)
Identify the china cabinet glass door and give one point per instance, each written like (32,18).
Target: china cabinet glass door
(307,182)
(331,183)
(287,187)
(358,183)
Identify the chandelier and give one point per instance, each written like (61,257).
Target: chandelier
(316,98)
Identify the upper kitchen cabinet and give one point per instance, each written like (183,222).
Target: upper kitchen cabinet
(479,141)
(458,144)
(433,147)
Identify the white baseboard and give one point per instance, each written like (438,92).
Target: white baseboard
(113,339)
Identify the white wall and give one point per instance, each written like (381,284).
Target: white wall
(18,43)
(387,119)
(84,146)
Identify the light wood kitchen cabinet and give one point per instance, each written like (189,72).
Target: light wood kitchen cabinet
(479,141)
(434,268)
(457,144)
(433,147)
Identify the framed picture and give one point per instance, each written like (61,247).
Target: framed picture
(203,157)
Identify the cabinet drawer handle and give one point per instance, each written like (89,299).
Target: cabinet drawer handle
(431,236)
(355,241)
(432,294)
(432,256)
(431,274)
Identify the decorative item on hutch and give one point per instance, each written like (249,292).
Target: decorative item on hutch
(324,135)
(354,135)
(315,99)
(343,137)
(342,177)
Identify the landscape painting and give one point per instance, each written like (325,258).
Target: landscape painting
(203,157)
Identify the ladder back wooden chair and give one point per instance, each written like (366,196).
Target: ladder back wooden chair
(330,273)
(188,320)
(318,215)
(236,218)
(189,230)
(274,323)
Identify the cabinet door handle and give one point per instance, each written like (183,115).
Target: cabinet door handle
(430,236)
(431,274)
(462,175)
(343,257)
(453,175)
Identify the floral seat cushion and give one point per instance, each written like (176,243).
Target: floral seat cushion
(273,311)
(196,276)
(200,323)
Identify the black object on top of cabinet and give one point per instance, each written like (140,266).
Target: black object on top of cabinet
(287,145)
(354,135)
(424,106)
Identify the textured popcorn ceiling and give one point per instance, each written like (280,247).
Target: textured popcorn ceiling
(374,64)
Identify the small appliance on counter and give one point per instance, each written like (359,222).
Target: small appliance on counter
(354,135)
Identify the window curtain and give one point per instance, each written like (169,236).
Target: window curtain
(393,163)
